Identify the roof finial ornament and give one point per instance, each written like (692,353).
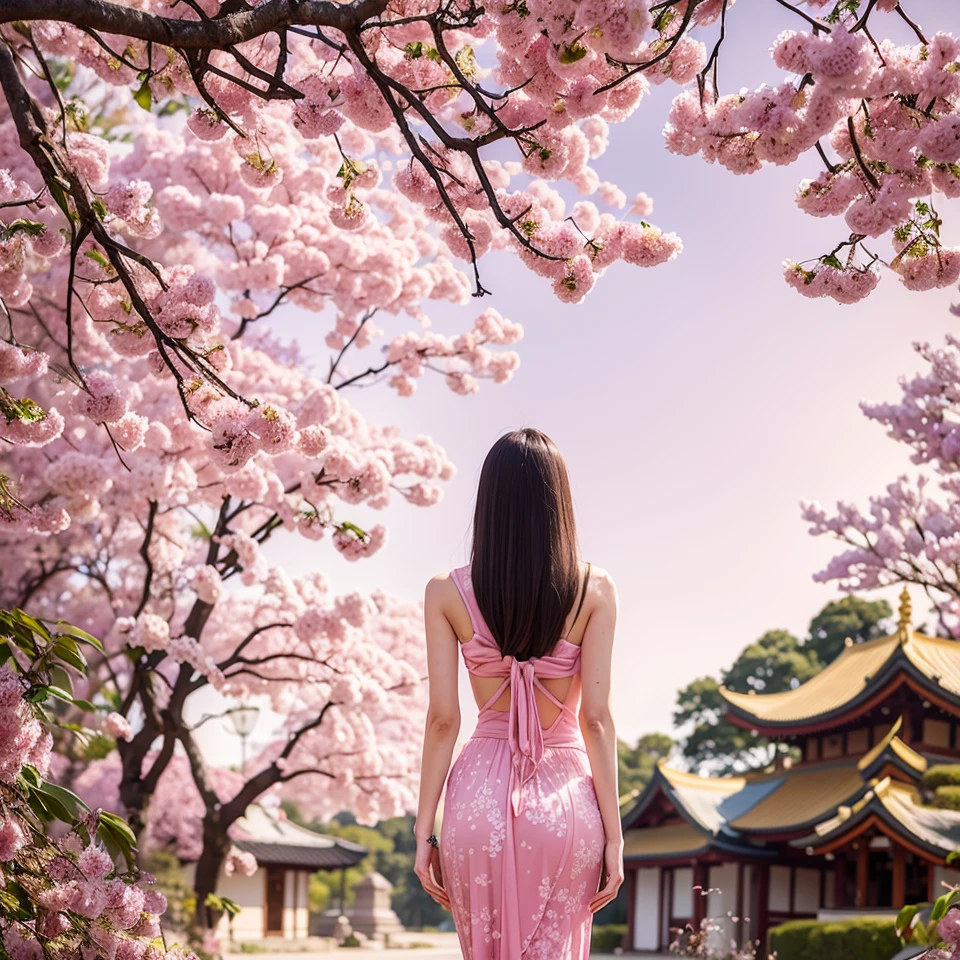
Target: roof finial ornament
(903,624)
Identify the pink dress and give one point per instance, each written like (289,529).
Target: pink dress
(521,843)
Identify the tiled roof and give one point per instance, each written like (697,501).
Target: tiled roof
(273,839)
(802,797)
(741,813)
(666,841)
(899,807)
(892,749)
(860,668)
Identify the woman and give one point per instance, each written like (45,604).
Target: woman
(531,845)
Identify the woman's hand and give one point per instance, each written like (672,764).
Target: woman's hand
(612,876)
(427,868)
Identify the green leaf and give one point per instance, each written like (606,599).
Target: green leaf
(36,694)
(69,630)
(32,227)
(939,909)
(62,679)
(60,198)
(70,802)
(905,920)
(231,907)
(70,654)
(99,258)
(953,857)
(348,527)
(213,902)
(571,53)
(39,807)
(16,902)
(144,97)
(119,839)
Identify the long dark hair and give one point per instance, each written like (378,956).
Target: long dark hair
(525,557)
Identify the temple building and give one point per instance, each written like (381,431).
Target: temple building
(841,831)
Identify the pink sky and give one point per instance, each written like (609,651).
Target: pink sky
(696,404)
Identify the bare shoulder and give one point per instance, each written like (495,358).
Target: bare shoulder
(440,590)
(601,590)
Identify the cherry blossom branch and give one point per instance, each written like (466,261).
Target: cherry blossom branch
(221,33)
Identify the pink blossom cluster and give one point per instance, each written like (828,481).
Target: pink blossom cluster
(22,738)
(949,930)
(80,901)
(852,95)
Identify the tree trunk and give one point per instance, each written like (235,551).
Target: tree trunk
(216,844)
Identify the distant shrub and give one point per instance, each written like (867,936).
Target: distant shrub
(608,936)
(947,797)
(942,775)
(866,938)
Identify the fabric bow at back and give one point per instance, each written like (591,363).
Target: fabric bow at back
(525,730)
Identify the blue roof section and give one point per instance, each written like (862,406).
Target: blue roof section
(737,804)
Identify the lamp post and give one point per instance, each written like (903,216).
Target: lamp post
(244,720)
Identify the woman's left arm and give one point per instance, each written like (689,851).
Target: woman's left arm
(440,733)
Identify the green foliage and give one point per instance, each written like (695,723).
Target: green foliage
(942,775)
(607,937)
(165,866)
(393,851)
(947,798)
(637,763)
(712,741)
(864,939)
(40,662)
(776,662)
(851,617)
(911,926)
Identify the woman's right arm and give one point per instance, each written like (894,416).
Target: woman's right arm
(440,733)
(599,735)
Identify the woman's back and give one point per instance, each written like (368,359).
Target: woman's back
(471,630)
(531,817)
(522,839)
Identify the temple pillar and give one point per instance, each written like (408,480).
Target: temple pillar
(701,879)
(840,881)
(899,876)
(863,872)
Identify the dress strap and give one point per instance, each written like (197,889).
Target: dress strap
(461,577)
(583,594)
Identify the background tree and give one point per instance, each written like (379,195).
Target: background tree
(775,662)
(638,763)
(853,617)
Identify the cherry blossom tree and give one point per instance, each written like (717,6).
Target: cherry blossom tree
(910,533)
(176,177)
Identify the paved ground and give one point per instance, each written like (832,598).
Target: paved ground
(444,947)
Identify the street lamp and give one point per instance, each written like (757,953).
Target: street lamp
(244,719)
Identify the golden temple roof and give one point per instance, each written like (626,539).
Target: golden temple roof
(892,743)
(859,669)
(674,839)
(803,796)
(899,808)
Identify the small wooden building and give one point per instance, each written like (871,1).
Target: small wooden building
(274,900)
(841,832)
